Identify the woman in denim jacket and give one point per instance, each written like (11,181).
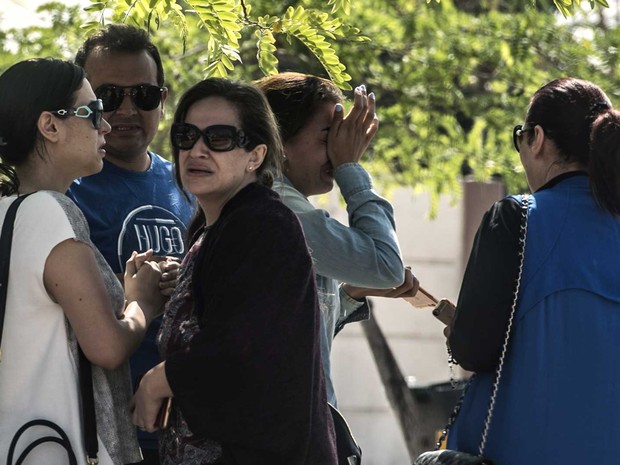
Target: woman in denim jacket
(322,146)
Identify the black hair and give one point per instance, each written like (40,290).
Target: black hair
(121,38)
(604,166)
(577,115)
(27,89)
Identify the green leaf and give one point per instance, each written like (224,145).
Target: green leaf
(267,60)
(563,9)
(341,6)
(90,27)
(95,6)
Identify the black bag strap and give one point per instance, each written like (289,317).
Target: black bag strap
(63,441)
(6,238)
(88,409)
(85,369)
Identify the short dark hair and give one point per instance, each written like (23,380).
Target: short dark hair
(121,38)
(294,97)
(577,115)
(27,89)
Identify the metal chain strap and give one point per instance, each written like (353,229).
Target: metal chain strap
(451,363)
(502,358)
(457,407)
(453,415)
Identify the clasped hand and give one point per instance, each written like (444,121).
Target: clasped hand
(142,278)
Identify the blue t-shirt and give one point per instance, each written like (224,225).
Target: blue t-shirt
(130,210)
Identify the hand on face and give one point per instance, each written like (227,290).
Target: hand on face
(350,136)
(307,165)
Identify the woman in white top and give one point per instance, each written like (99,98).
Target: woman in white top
(61,292)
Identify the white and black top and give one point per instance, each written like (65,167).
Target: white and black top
(39,367)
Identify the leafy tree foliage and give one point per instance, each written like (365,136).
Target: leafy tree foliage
(451,85)
(451,78)
(222,21)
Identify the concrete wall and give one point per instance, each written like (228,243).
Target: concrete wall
(435,250)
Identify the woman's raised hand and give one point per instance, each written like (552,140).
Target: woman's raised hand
(350,136)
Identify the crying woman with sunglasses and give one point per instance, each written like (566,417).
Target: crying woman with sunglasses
(240,333)
(62,298)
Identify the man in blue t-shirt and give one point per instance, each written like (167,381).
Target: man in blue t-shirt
(134,202)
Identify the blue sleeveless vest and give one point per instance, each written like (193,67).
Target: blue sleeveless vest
(559,395)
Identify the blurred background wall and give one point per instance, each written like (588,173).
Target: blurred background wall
(437,250)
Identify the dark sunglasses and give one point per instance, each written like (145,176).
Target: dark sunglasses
(219,138)
(93,110)
(517,135)
(145,96)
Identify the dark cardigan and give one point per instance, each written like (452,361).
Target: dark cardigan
(252,377)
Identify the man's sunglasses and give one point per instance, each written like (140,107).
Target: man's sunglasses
(93,110)
(219,138)
(145,96)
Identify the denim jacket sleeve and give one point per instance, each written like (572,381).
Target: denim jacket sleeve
(351,310)
(365,253)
